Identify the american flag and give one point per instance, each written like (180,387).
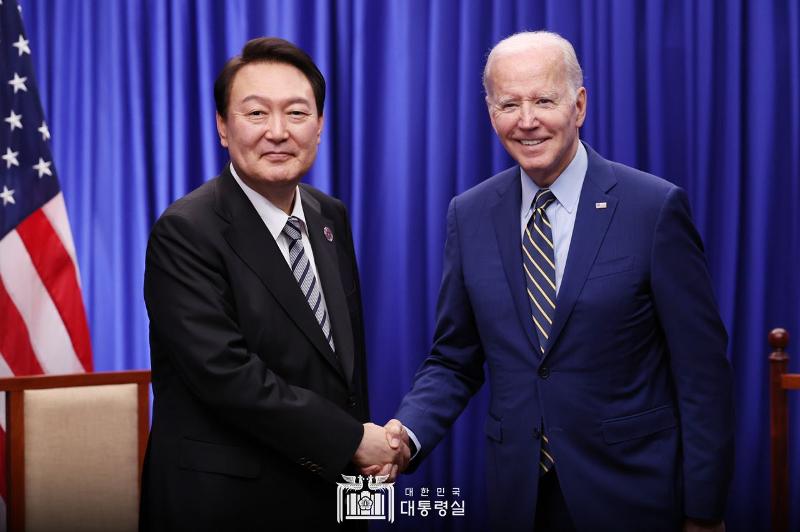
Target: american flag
(42,319)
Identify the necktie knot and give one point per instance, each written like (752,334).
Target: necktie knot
(292,228)
(543,198)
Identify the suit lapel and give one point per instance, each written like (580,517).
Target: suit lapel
(505,217)
(327,263)
(253,243)
(591,225)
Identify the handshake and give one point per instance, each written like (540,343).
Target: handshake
(383,450)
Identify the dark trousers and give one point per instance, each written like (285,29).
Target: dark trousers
(552,514)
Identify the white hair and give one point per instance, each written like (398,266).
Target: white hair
(538,39)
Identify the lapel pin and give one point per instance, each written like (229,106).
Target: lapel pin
(600,205)
(328,233)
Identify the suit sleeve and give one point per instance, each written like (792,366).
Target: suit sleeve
(697,343)
(192,317)
(453,372)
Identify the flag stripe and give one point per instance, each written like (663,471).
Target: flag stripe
(15,342)
(5,371)
(57,272)
(56,212)
(48,335)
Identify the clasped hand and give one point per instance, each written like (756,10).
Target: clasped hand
(383,450)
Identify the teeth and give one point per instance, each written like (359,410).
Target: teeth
(531,142)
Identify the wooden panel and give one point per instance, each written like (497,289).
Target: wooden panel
(144,423)
(38,382)
(790,381)
(15,459)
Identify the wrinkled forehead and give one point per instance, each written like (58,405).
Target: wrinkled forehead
(540,68)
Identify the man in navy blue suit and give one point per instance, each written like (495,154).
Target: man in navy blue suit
(583,285)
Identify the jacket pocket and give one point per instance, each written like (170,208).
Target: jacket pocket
(493,429)
(639,425)
(215,458)
(611,267)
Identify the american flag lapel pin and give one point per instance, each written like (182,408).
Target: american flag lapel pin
(328,233)
(600,205)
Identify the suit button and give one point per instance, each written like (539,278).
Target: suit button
(351,401)
(537,433)
(544,372)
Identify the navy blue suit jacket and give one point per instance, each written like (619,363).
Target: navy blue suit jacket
(634,387)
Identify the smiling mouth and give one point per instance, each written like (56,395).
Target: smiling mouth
(277,156)
(531,142)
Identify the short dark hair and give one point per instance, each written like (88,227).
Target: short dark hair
(268,50)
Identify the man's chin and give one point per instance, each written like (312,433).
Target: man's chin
(274,178)
(534,167)
(280,173)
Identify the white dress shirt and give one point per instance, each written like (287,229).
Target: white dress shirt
(275,220)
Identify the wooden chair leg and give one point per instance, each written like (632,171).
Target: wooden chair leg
(779,431)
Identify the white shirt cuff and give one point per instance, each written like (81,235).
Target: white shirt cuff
(415,440)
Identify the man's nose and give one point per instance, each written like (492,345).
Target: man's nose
(527,115)
(276,127)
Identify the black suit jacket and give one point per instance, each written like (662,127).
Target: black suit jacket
(254,416)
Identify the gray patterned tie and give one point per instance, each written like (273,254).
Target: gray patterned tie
(301,268)
(538,261)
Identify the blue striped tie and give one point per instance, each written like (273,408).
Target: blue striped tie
(301,268)
(538,261)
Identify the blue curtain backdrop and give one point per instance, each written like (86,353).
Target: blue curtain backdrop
(703,93)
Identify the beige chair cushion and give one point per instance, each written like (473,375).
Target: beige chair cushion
(81,458)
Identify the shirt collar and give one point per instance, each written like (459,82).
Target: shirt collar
(274,218)
(566,188)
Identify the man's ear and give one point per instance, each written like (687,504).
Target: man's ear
(319,129)
(580,105)
(222,130)
(491,115)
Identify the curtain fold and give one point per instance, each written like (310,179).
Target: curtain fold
(704,94)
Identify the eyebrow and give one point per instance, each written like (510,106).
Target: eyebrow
(550,95)
(261,99)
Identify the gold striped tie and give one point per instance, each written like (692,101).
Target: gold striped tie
(539,265)
(538,262)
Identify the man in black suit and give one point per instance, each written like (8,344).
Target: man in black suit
(256,332)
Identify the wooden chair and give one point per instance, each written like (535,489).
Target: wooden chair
(74,450)
(779,383)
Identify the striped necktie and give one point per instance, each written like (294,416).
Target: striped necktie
(539,264)
(538,261)
(301,268)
